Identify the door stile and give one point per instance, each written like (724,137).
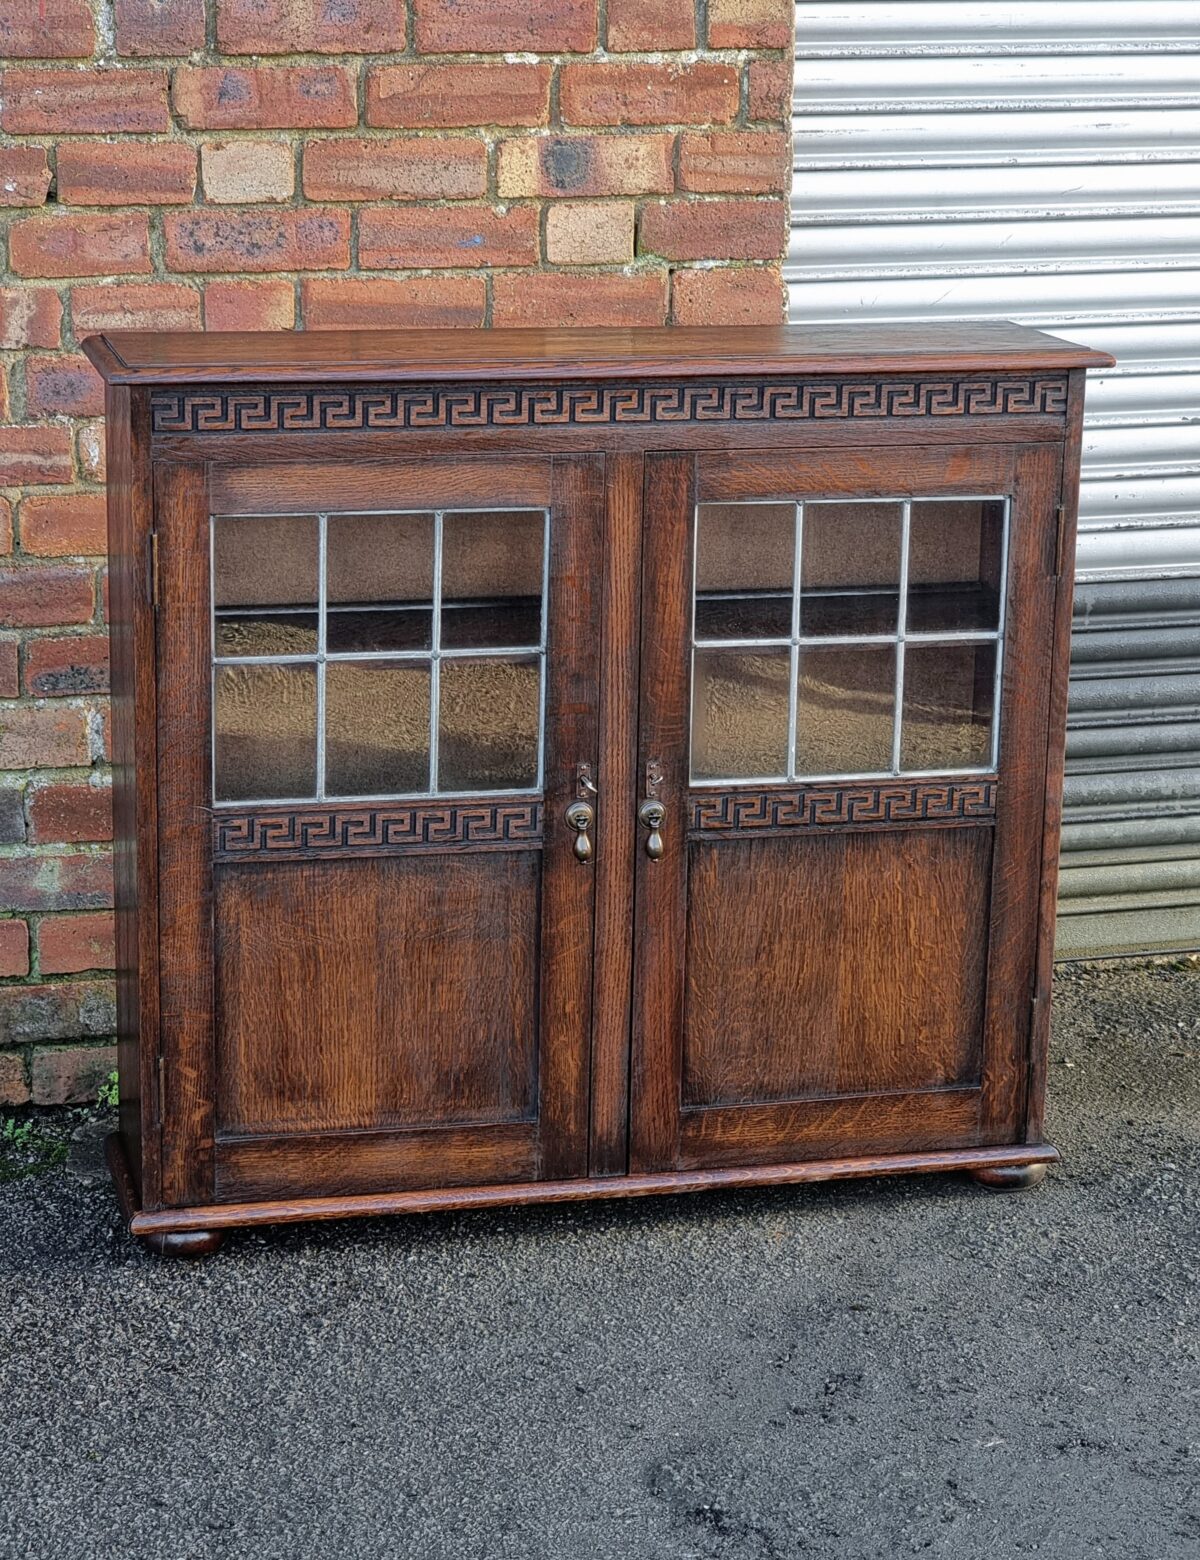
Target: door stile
(185,1067)
(616,809)
(569,885)
(661,892)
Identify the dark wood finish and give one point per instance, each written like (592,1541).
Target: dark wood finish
(840,961)
(301,486)
(1056,741)
(341,1164)
(819,986)
(166,1243)
(185,907)
(156,357)
(631,438)
(609,1135)
(135,768)
(384,1007)
(755,813)
(321,831)
(1010,1178)
(363,1006)
(298,1210)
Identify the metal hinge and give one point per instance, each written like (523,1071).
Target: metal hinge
(152,569)
(1060,540)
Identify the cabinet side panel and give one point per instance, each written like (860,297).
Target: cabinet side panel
(1021,796)
(1039,1038)
(131,630)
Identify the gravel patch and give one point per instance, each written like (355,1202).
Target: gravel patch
(860,1371)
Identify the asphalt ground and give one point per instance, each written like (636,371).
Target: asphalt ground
(871,1369)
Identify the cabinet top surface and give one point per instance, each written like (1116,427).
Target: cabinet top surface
(300,357)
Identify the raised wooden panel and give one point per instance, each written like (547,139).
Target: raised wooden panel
(380,992)
(822,965)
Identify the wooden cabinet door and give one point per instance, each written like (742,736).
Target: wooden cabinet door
(846,662)
(376,706)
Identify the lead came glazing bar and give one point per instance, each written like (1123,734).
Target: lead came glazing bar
(322,641)
(794,690)
(435,674)
(901,629)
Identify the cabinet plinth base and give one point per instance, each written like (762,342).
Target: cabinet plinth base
(1009,1178)
(197,1231)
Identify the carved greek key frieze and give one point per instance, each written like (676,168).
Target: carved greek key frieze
(376,829)
(868,804)
(369,408)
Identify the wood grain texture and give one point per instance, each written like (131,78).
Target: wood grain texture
(321,831)
(754,812)
(1021,803)
(377,993)
(134,765)
(1056,734)
(348,1163)
(616,844)
(572,738)
(436,1004)
(185,866)
(864,472)
(822,965)
(162,357)
(341,410)
(590,1189)
(302,486)
(660,926)
(904,1122)
(270,449)
(977,1031)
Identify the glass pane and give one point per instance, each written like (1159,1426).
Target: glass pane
(850,568)
(380,582)
(740,714)
(955,565)
(265,724)
(492,579)
(267,563)
(376,727)
(845,709)
(488,724)
(949,691)
(745,559)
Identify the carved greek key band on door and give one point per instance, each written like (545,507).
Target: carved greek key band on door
(871,804)
(380,829)
(368,408)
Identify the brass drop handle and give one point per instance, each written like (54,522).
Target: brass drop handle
(580,816)
(651,815)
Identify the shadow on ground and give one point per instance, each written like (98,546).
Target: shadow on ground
(859,1371)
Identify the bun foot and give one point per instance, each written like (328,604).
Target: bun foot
(1010,1178)
(186,1243)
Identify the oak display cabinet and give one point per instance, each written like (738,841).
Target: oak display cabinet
(574,764)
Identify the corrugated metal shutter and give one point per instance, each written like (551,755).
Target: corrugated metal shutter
(1040,160)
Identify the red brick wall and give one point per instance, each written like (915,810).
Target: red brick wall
(264,164)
